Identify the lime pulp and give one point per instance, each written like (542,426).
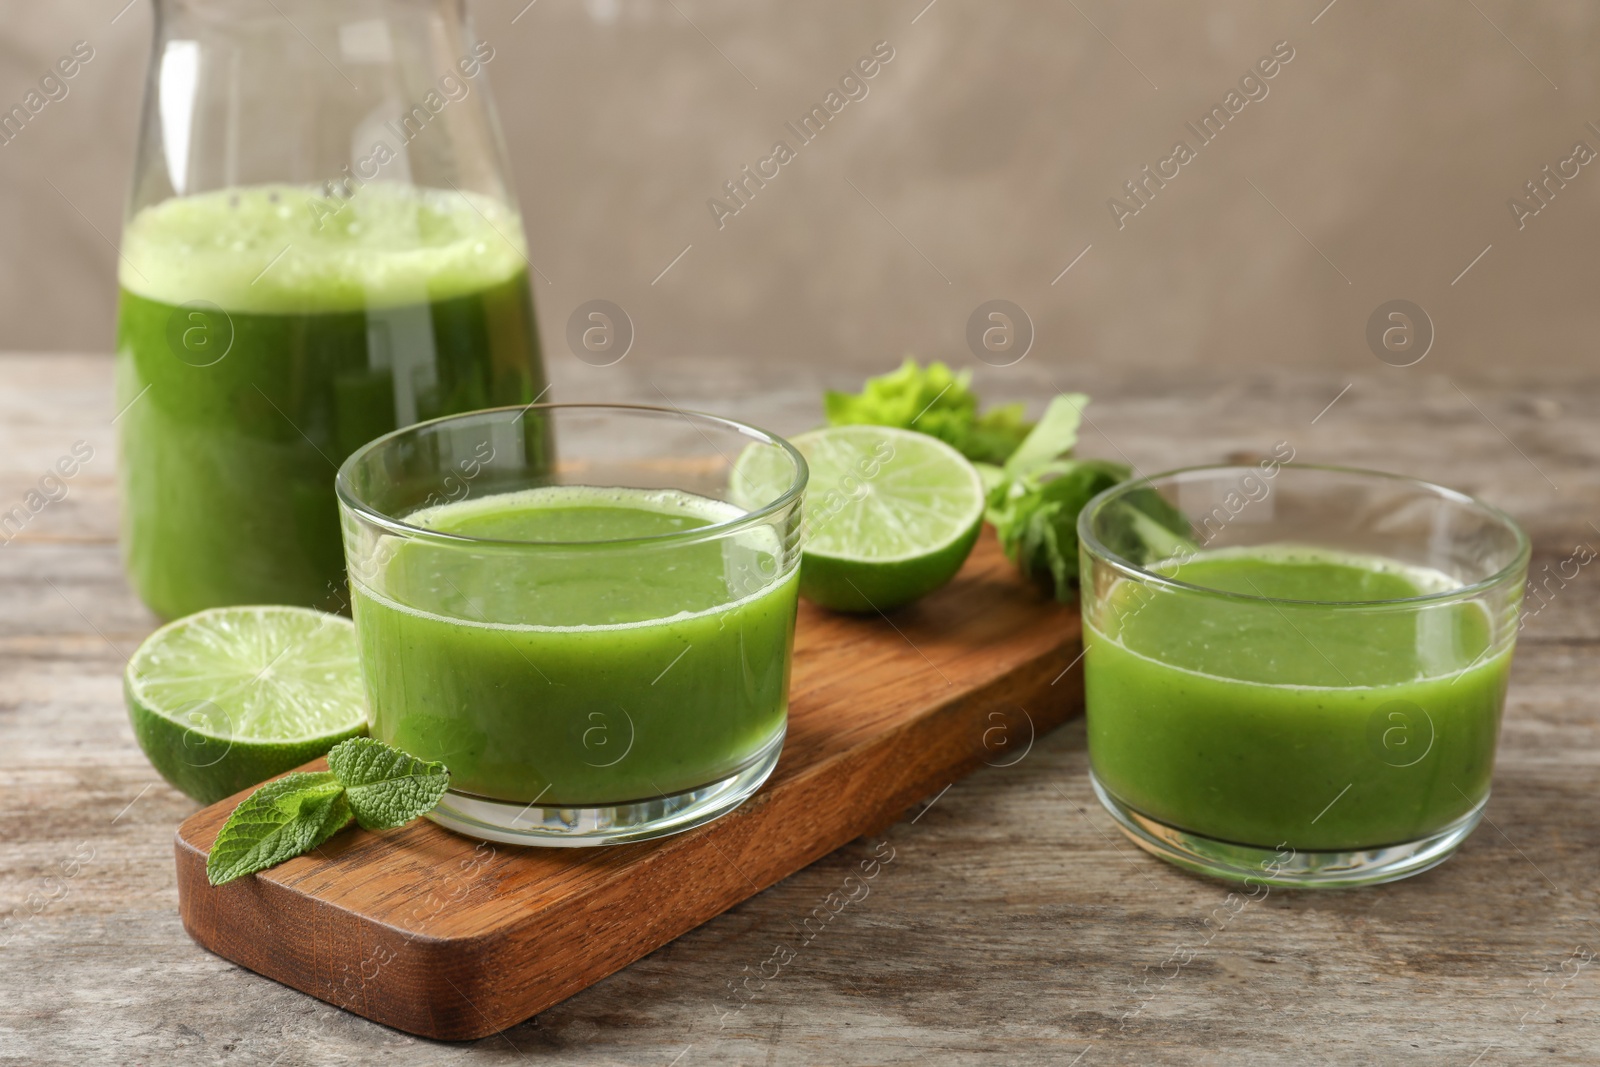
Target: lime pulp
(224,699)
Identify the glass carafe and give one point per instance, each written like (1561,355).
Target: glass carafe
(321,245)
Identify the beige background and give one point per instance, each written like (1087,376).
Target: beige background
(981,161)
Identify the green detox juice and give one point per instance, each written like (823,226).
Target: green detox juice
(1273,723)
(264,334)
(540,666)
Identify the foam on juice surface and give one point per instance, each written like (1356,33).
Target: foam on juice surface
(292,249)
(1423,581)
(467,517)
(1209,633)
(478,518)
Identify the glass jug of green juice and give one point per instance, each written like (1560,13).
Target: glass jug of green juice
(321,246)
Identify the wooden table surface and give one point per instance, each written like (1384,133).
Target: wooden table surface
(1014,924)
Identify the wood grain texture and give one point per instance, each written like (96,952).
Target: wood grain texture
(436,934)
(1014,926)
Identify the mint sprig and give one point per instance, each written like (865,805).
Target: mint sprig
(367,781)
(386,787)
(279,821)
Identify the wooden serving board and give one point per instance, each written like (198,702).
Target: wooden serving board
(439,935)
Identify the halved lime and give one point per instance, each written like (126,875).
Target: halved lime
(891,515)
(224,699)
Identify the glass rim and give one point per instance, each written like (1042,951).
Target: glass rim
(1130,569)
(348,497)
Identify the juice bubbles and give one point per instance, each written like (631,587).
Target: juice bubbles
(265,333)
(595,674)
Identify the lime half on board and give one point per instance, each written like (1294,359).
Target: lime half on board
(890,515)
(224,699)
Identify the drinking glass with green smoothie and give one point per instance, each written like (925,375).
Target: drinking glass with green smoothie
(321,246)
(1294,675)
(581,610)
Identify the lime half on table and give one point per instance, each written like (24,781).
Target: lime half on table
(890,514)
(225,699)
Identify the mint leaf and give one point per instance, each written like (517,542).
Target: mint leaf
(279,821)
(386,787)
(379,786)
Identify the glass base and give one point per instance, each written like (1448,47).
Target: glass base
(1288,867)
(533,824)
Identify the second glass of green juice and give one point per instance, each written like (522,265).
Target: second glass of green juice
(1294,675)
(564,604)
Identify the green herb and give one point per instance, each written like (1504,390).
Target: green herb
(1037,522)
(1035,497)
(277,822)
(1035,487)
(935,401)
(379,786)
(386,787)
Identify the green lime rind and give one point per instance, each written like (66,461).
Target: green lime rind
(864,586)
(224,699)
(891,515)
